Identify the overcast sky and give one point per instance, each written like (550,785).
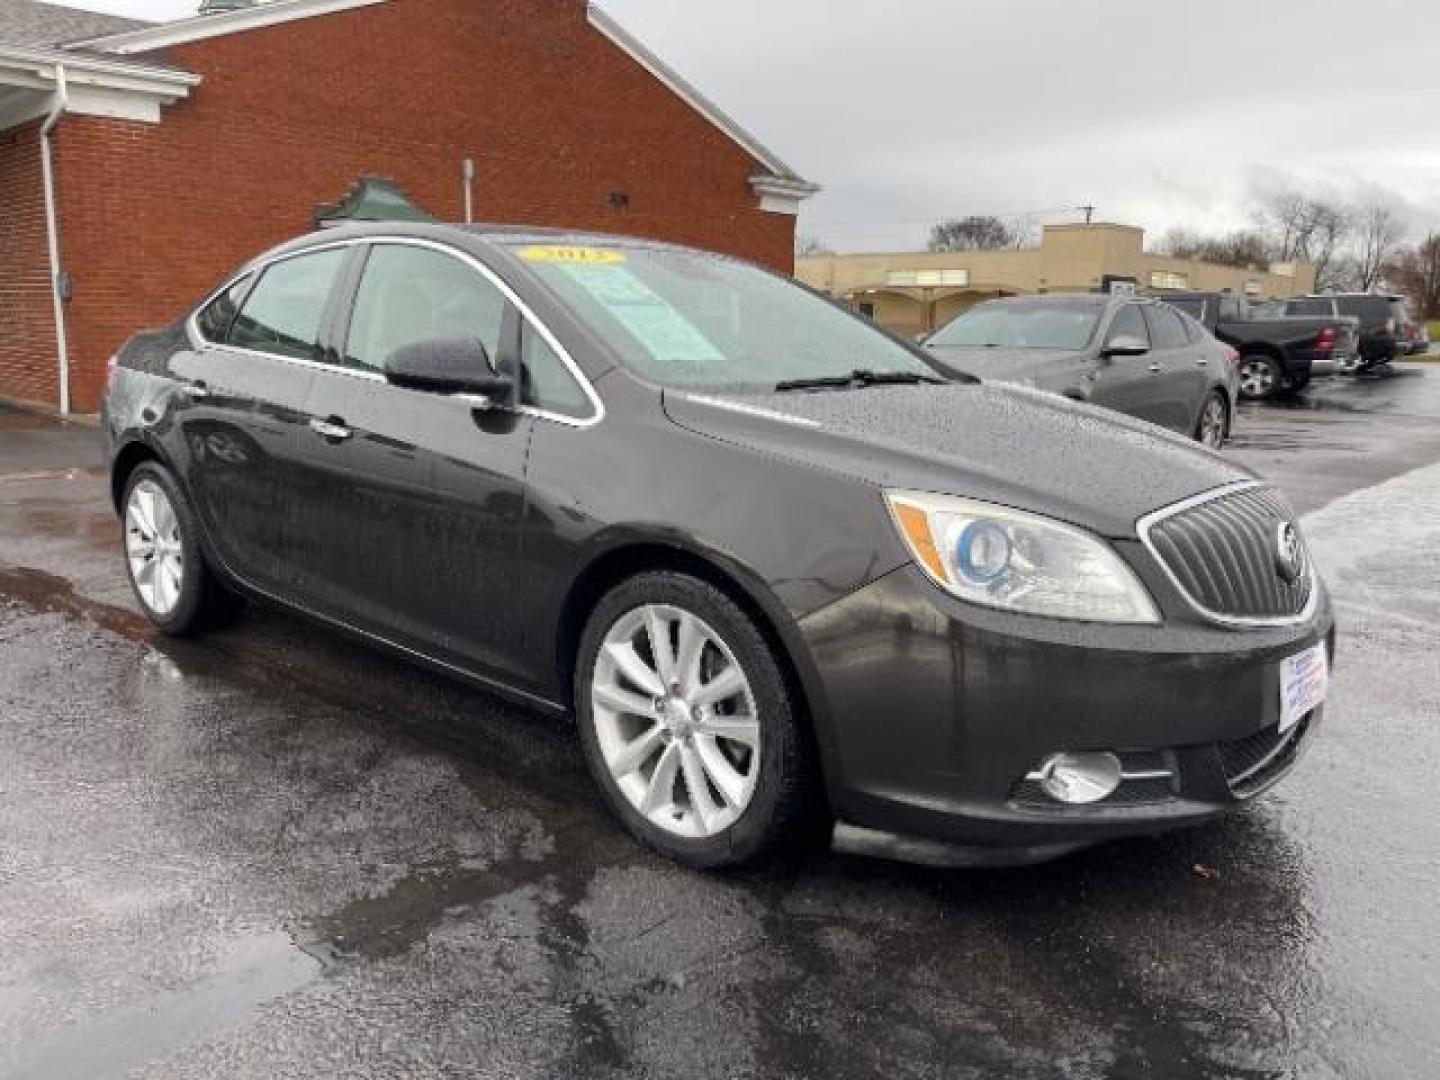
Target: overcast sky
(1160,115)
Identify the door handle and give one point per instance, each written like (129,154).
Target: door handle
(1203,362)
(332,430)
(1156,369)
(197,391)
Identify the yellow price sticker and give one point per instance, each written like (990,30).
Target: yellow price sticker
(582,256)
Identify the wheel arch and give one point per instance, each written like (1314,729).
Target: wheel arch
(128,458)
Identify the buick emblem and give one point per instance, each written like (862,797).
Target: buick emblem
(1289,555)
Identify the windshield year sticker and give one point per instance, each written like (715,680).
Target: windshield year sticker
(572,256)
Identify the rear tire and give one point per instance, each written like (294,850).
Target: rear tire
(1261,377)
(164,561)
(1213,428)
(652,744)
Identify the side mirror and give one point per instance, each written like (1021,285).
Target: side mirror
(452,366)
(1125,345)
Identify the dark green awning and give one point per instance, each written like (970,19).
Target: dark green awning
(371,198)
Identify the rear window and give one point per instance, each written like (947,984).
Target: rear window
(1057,324)
(218,316)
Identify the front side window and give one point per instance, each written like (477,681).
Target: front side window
(1166,329)
(283,315)
(687,319)
(549,384)
(1128,323)
(413,294)
(1049,324)
(216,318)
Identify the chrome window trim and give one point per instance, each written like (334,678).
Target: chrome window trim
(203,344)
(1146,525)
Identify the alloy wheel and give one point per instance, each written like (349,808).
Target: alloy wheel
(676,721)
(154,548)
(1257,378)
(1213,423)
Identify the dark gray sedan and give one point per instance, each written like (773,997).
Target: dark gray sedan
(1133,355)
(781,570)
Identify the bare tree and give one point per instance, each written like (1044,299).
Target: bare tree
(1244,248)
(807,247)
(975,233)
(1379,231)
(1416,272)
(1332,227)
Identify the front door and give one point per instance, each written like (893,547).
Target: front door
(413,500)
(1130,384)
(245,388)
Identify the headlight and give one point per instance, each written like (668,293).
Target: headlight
(1022,562)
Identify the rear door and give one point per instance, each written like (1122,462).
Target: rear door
(247,383)
(413,500)
(1182,378)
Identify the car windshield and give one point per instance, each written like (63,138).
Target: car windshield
(687,319)
(1061,324)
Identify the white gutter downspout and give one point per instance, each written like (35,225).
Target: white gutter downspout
(52,232)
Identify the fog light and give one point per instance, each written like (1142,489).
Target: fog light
(1080,778)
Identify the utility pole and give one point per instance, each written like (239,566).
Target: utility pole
(1089,213)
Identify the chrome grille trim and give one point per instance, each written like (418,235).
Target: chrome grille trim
(1239,582)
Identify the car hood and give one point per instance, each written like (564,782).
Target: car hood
(1024,366)
(1009,445)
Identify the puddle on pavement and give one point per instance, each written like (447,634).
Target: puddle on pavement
(253,972)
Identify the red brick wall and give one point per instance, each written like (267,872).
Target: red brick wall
(27,327)
(555,116)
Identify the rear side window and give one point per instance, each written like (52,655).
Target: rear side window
(413,294)
(1192,306)
(1372,311)
(1309,309)
(283,315)
(216,318)
(1129,323)
(1166,330)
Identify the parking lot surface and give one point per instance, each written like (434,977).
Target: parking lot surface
(272,853)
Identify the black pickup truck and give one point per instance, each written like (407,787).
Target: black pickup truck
(1277,356)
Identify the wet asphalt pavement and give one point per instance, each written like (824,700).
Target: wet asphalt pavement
(272,853)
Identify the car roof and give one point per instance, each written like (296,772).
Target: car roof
(1350,296)
(486,235)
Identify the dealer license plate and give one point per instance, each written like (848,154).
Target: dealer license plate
(1304,683)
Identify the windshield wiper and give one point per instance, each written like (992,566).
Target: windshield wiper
(858,380)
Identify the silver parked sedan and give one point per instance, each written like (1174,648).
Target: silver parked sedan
(1133,355)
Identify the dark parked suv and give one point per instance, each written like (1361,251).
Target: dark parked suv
(1382,321)
(780,569)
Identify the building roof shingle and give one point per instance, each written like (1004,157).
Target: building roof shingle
(39,24)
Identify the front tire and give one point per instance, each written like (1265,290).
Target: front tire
(1260,377)
(689,726)
(166,566)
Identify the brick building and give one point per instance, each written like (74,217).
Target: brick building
(175,151)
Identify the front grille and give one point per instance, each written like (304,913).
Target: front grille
(1223,553)
(1254,762)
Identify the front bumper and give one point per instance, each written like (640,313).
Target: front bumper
(936,711)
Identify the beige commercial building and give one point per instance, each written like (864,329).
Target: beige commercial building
(917,292)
